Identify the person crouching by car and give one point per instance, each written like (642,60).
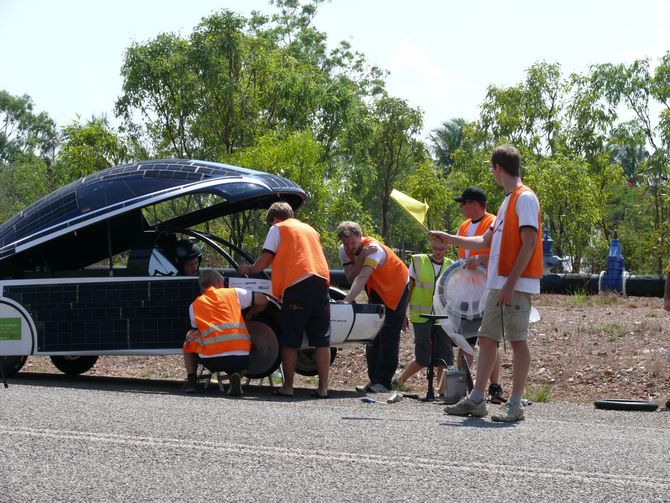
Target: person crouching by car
(219,338)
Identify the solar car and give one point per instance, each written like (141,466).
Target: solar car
(88,270)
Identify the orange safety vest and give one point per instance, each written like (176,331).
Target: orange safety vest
(299,254)
(389,279)
(484,225)
(510,243)
(220,324)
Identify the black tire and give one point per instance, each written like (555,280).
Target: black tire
(265,354)
(306,366)
(630,405)
(74,365)
(12,364)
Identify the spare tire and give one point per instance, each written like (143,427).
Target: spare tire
(620,404)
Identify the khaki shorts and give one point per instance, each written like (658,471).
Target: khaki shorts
(515,317)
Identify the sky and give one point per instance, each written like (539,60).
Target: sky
(441,54)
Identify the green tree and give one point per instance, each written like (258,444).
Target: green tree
(446,140)
(22,132)
(392,150)
(90,147)
(634,88)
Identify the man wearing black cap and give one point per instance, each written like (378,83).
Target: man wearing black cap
(478,222)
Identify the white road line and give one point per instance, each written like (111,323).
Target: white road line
(404,462)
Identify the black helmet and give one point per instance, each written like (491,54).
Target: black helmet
(186,250)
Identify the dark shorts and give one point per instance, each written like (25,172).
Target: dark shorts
(422,349)
(305,309)
(228,364)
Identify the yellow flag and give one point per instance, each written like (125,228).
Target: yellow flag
(415,208)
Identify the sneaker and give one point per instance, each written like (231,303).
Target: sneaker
(190,386)
(496,394)
(508,413)
(378,388)
(235,385)
(466,407)
(363,388)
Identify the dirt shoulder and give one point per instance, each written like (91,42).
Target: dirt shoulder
(583,348)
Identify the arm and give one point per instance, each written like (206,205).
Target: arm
(261,264)
(353,269)
(259,303)
(359,283)
(528,240)
(469,242)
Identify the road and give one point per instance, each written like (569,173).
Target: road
(111,439)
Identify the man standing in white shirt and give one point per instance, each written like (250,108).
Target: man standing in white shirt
(513,275)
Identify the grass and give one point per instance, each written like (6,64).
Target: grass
(538,394)
(578,299)
(614,331)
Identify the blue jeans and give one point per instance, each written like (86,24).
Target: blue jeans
(382,353)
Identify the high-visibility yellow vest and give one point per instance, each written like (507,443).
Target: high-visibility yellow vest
(421,301)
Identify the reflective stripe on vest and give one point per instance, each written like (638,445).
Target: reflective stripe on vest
(299,254)
(484,225)
(389,279)
(421,301)
(510,242)
(220,325)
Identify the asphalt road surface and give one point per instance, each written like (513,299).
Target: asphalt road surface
(110,439)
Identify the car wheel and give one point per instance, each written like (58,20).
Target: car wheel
(12,364)
(74,365)
(306,365)
(265,357)
(632,405)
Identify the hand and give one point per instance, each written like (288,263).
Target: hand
(472,263)
(347,300)
(506,294)
(405,325)
(244,269)
(439,238)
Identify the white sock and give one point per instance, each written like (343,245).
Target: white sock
(477,396)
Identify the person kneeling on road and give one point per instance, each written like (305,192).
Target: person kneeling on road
(219,339)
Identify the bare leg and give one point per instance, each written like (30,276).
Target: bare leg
(438,372)
(468,358)
(190,362)
(289,357)
(495,373)
(487,358)
(411,369)
(520,366)
(322,358)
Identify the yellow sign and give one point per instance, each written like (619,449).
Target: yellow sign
(417,209)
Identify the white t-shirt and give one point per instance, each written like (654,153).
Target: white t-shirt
(436,268)
(527,209)
(245,298)
(272,244)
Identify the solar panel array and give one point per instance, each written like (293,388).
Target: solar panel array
(116,185)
